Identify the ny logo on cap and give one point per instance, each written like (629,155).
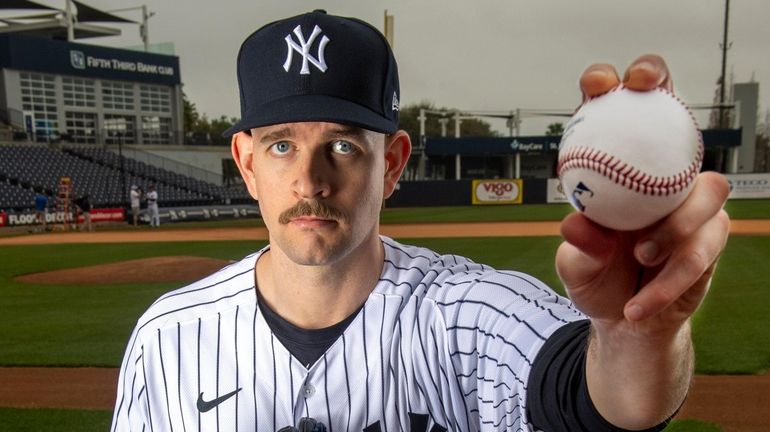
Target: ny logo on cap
(303,48)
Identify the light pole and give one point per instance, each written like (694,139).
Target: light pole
(723,80)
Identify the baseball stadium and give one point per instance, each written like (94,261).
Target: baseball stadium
(88,133)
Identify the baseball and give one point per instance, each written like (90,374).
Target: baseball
(628,158)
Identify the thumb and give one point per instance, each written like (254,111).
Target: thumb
(585,252)
(574,267)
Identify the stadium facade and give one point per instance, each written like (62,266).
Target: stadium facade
(58,90)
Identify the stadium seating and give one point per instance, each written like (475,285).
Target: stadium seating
(98,173)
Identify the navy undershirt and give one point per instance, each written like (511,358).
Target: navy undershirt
(305,345)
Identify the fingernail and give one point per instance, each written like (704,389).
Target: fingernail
(634,312)
(648,252)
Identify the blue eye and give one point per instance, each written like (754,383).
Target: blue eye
(343,147)
(280,148)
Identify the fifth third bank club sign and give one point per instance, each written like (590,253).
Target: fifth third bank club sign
(498,191)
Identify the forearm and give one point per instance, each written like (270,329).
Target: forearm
(634,381)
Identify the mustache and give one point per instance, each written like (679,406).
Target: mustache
(311,208)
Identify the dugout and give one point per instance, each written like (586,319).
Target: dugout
(453,164)
(530,157)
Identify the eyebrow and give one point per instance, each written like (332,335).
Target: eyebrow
(276,135)
(339,132)
(347,131)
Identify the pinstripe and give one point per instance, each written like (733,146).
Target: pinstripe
(179,373)
(427,364)
(395,406)
(254,364)
(165,384)
(451,364)
(131,400)
(366,362)
(291,386)
(347,379)
(214,285)
(275,380)
(194,306)
(382,362)
(237,365)
(326,395)
(147,393)
(199,369)
(493,336)
(403,365)
(219,337)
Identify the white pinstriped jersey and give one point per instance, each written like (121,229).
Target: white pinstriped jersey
(441,342)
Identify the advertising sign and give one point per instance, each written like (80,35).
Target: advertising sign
(747,186)
(68,58)
(504,191)
(555,192)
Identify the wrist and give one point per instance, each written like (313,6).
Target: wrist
(638,379)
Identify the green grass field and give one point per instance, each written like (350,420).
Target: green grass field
(89,325)
(68,325)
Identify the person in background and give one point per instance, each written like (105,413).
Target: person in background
(84,206)
(152,206)
(41,208)
(136,201)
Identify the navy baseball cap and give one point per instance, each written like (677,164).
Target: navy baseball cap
(317,67)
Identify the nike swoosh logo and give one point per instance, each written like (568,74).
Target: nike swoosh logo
(204,406)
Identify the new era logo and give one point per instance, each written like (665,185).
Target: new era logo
(395,105)
(303,47)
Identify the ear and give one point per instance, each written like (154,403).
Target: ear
(398,148)
(242,147)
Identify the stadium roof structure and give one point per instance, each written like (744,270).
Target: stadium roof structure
(53,23)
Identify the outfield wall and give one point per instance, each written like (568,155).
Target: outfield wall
(430,193)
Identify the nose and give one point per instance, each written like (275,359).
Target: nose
(312,177)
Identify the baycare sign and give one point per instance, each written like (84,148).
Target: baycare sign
(499,191)
(3,218)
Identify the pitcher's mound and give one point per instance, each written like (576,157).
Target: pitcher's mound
(146,270)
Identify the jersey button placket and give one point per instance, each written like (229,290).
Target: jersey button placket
(309,390)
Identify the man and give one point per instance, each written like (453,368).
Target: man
(84,205)
(152,206)
(333,327)
(136,201)
(41,209)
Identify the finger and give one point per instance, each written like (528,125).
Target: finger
(598,79)
(647,73)
(684,270)
(585,252)
(704,201)
(591,238)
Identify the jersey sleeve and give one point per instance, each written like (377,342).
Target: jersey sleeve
(477,345)
(558,398)
(131,405)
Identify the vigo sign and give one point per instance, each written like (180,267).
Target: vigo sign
(505,191)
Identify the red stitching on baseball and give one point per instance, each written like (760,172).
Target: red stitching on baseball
(626,175)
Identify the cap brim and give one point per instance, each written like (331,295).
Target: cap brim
(314,108)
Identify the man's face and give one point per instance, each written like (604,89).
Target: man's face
(320,187)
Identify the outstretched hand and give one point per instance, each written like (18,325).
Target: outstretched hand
(657,275)
(640,287)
